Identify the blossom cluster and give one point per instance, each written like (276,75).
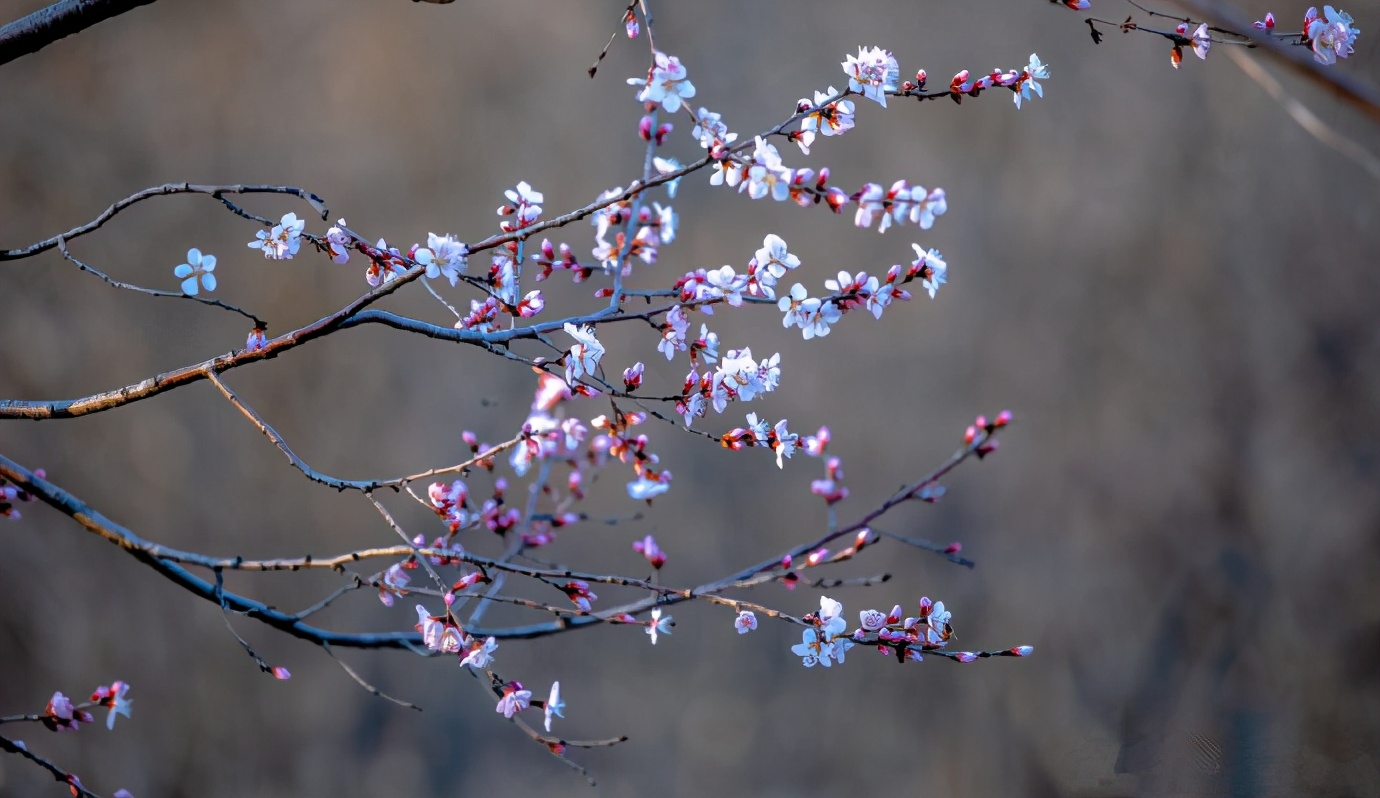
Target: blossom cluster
(62,715)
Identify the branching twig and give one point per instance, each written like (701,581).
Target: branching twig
(161,191)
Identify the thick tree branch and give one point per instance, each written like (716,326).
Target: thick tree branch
(46,25)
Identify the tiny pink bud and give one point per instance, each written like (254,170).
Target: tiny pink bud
(644,128)
(965,656)
(1023,651)
(279,672)
(1003,418)
(953,548)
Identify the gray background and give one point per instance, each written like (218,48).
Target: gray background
(1170,283)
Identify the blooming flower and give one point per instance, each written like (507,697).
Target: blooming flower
(833,119)
(443,256)
(745,622)
(659,625)
(113,697)
(523,201)
(1331,36)
(283,241)
(1202,42)
(61,715)
(339,241)
(1036,71)
(769,264)
(481,655)
(430,627)
(198,266)
(584,355)
(931,267)
(514,700)
(873,73)
(554,705)
(668,84)
(710,130)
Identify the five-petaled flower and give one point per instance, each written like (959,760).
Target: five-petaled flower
(283,241)
(668,84)
(197,268)
(872,73)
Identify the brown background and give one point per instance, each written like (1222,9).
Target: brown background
(1170,283)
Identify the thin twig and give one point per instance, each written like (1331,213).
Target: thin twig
(161,191)
(62,247)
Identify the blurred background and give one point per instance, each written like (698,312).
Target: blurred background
(1171,285)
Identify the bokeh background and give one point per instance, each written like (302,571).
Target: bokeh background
(1171,285)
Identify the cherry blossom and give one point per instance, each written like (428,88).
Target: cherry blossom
(1331,36)
(394,582)
(833,119)
(514,700)
(583,358)
(673,332)
(769,264)
(197,267)
(1267,24)
(1034,72)
(869,204)
(745,622)
(668,84)
(480,654)
(872,73)
(727,285)
(339,240)
(767,175)
(811,650)
(61,715)
(710,130)
(659,625)
(930,266)
(283,241)
(443,256)
(555,707)
(431,628)
(114,698)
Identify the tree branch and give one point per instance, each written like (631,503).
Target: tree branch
(59,20)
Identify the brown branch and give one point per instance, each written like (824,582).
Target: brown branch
(59,20)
